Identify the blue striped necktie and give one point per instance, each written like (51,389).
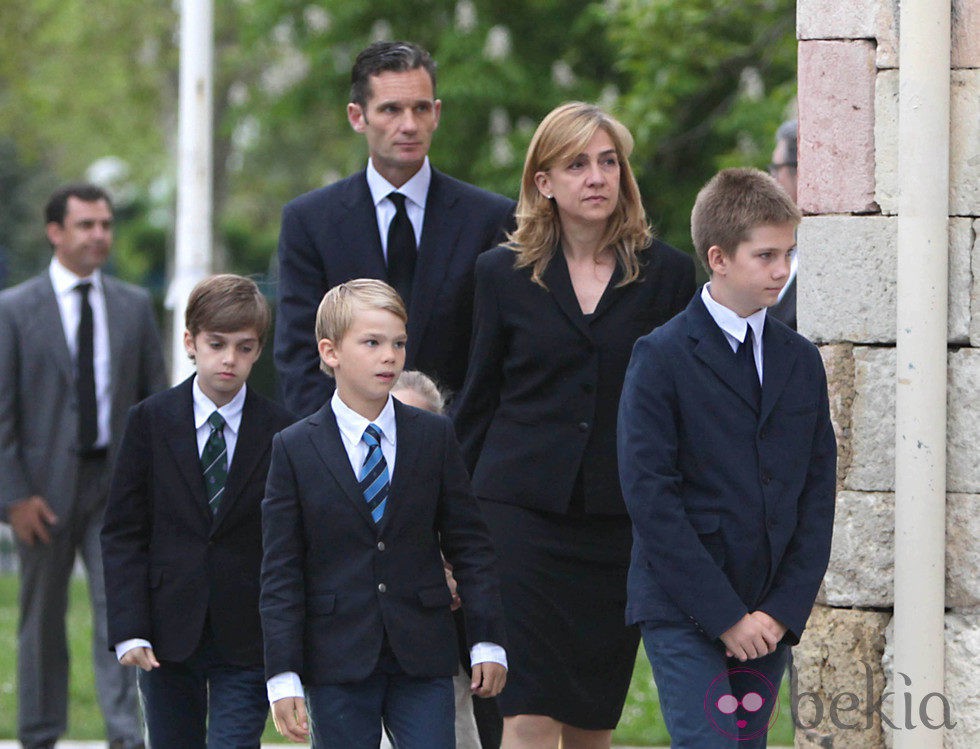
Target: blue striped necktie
(214,461)
(373,478)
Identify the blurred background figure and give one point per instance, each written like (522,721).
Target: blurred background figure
(783,169)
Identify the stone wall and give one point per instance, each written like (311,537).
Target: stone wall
(848,189)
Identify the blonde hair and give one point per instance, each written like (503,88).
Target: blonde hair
(335,315)
(732,204)
(423,386)
(563,134)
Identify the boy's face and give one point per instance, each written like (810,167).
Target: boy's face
(224,361)
(753,277)
(367,360)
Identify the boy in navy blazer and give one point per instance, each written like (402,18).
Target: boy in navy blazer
(182,539)
(728,464)
(361,497)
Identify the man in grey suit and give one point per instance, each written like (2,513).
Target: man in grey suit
(77,349)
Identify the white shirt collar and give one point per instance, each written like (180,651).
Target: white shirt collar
(729,321)
(204,407)
(352,424)
(416,189)
(64,281)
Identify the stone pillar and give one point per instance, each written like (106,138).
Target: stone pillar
(848,156)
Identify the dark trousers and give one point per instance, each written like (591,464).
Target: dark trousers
(710,701)
(419,713)
(204,702)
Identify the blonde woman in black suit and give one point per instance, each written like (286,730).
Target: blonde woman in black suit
(557,311)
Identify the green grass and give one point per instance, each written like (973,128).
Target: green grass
(640,725)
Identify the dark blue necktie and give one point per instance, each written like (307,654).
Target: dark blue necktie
(373,478)
(402,251)
(748,373)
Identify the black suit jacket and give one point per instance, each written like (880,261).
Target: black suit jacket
(334,582)
(732,505)
(168,564)
(330,236)
(542,389)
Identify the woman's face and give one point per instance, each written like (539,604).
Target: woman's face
(586,187)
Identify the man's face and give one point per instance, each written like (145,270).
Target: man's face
(783,170)
(83,242)
(398,121)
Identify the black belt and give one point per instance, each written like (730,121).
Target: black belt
(94,453)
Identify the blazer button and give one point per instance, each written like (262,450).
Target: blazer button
(587,387)
(382,587)
(772,523)
(583,426)
(381,546)
(766,478)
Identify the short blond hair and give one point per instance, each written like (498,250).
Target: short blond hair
(563,134)
(335,315)
(422,385)
(732,204)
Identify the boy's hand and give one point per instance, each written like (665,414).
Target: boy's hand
(142,657)
(451,582)
(773,625)
(488,679)
(749,638)
(289,715)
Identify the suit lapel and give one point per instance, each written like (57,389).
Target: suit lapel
(559,283)
(407,450)
(359,232)
(249,449)
(612,293)
(778,358)
(441,226)
(713,349)
(181,437)
(116,324)
(325,436)
(51,328)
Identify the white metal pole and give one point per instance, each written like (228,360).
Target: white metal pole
(193,246)
(920,409)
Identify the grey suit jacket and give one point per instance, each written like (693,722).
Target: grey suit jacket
(38,404)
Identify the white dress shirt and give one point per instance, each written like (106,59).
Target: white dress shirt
(351,425)
(203,408)
(415,191)
(70,304)
(735,327)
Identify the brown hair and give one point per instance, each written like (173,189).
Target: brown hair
(227,303)
(732,204)
(335,315)
(563,134)
(422,385)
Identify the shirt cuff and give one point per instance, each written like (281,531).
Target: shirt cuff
(286,684)
(484,652)
(126,645)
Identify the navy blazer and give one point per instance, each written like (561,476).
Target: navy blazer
(334,582)
(330,236)
(732,508)
(543,383)
(169,566)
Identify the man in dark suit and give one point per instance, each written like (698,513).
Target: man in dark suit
(77,349)
(425,243)
(728,465)
(182,541)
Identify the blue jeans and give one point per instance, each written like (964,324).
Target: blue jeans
(204,702)
(710,701)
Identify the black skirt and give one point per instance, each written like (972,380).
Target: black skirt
(563,583)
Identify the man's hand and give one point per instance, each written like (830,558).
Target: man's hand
(488,679)
(289,715)
(142,657)
(749,638)
(30,518)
